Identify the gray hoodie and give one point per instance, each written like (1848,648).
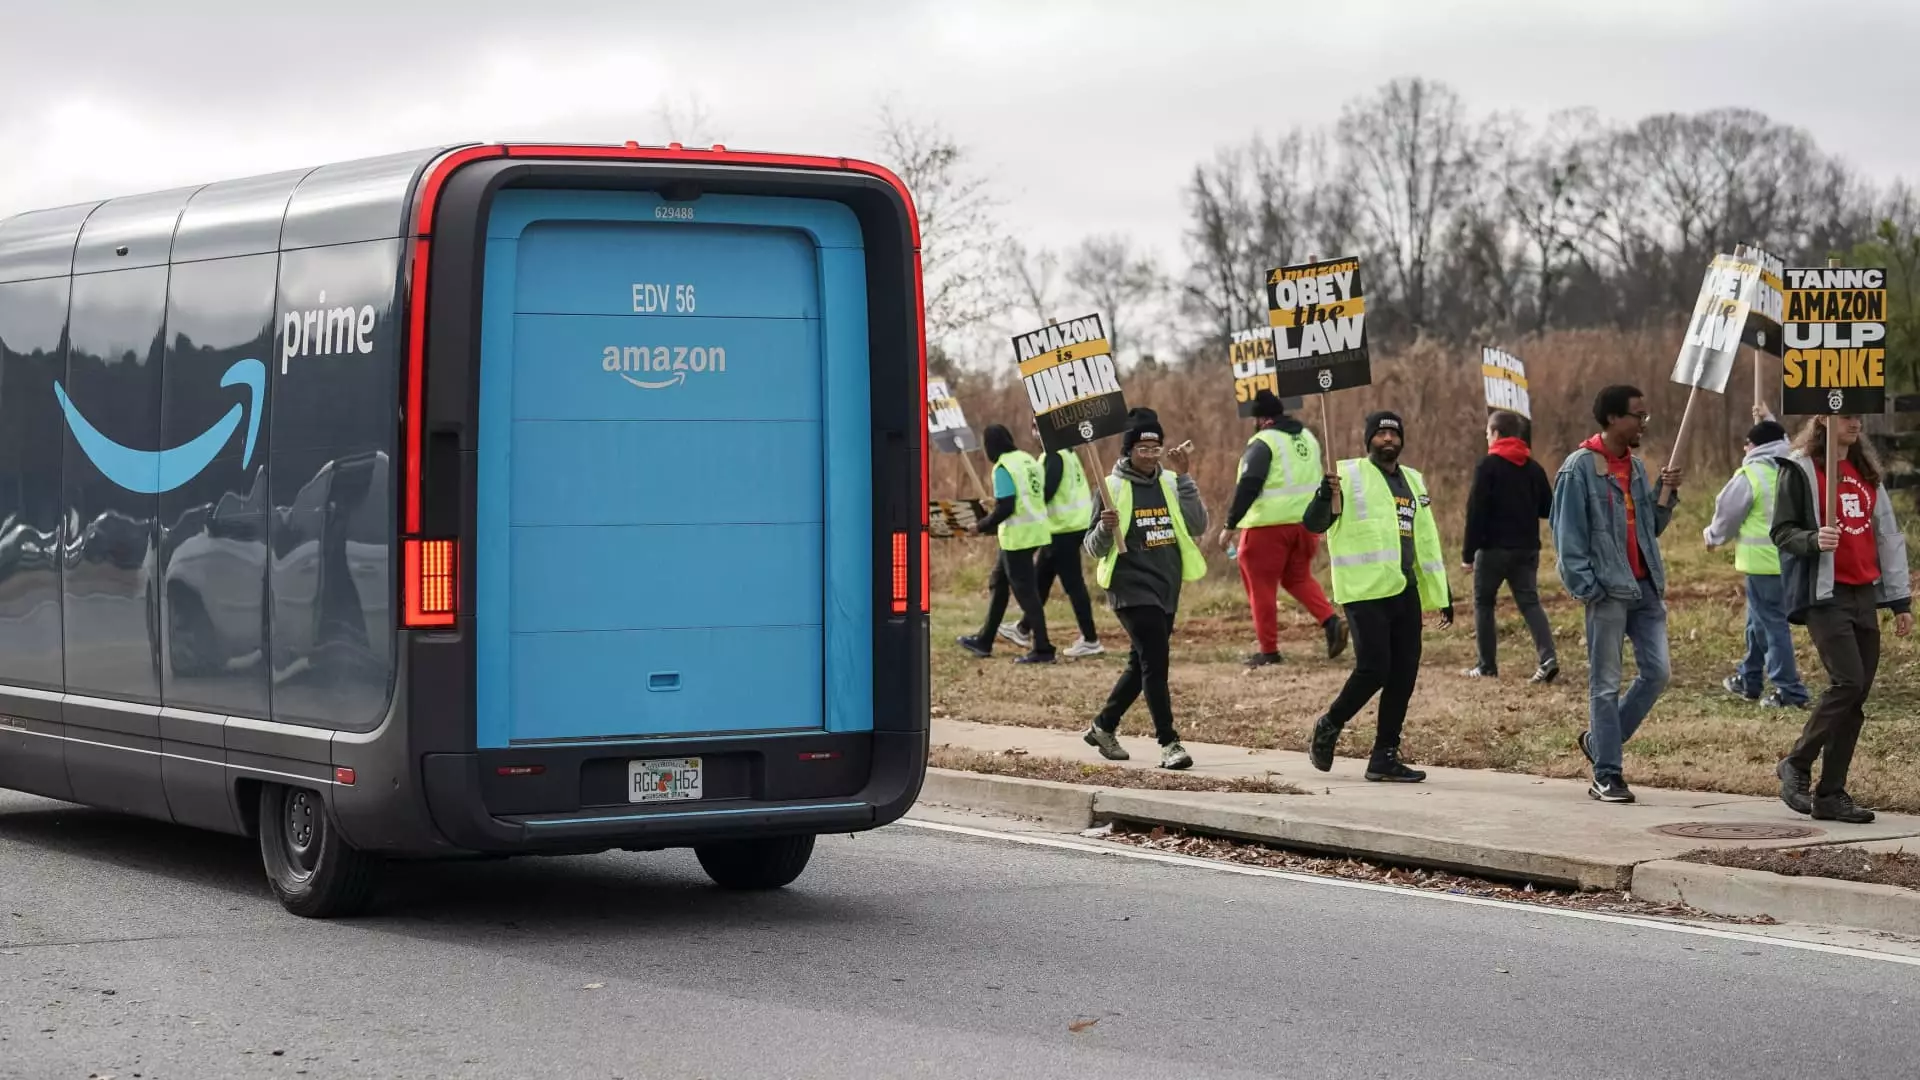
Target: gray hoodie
(1145,577)
(1736,499)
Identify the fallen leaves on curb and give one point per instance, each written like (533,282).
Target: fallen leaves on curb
(1897,868)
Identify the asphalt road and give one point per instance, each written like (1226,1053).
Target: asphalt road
(135,950)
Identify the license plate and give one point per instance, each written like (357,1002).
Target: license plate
(663,780)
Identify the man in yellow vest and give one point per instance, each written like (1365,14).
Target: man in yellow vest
(1743,514)
(1069,501)
(1161,511)
(1278,475)
(1387,571)
(1020,518)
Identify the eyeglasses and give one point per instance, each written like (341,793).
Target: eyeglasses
(1643,417)
(1149,449)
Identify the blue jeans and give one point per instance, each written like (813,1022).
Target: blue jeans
(1612,718)
(1770,640)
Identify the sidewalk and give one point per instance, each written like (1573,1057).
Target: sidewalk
(1504,825)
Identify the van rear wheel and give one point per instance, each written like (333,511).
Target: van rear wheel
(755,864)
(314,872)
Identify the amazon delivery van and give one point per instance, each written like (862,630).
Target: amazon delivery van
(489,499)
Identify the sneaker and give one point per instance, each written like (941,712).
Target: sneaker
(1016,635)
(1035,658)
(972,645)
(1585,750)
(1175,756)
(1389,768)
(1774,700)
(1795,787)
(1612,789)
(1840,807)
(1083,647)
(1478,672)
(1326,735)
(1737,686)
(1548,671)
(1106,742)
(1263,659)
(1336,628)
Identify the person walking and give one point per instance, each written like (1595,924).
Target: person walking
(1388,570)
(1835,577)
(1161,510)
(1020,519)
(1606,524)
(1278,475)
(1509,498)
(1743,516)
(1069,502)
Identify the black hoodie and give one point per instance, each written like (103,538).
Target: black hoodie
(997,442)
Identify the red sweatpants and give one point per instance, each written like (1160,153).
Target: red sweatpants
(1276,556)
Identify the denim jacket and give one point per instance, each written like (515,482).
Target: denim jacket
(1589,523)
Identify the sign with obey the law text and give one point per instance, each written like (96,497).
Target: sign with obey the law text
(946,421)
(1505,376)
(1071,382)
(1835,332)
(1318,312)
(1739,304)
(1251,356)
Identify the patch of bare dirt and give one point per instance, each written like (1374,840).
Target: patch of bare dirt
(1060,770)
(1897,868)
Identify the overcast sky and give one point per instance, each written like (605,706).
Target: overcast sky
(1089,116)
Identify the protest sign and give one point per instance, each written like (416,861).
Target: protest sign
(1318,312)
(1835,333)
(1251,356)
(1071,382)
(947,422)
(948,518)
(1505,376)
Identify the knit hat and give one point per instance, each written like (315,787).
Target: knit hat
(997,440)
(1141,422)
(1384,419)
(1766,431)
(1266,404)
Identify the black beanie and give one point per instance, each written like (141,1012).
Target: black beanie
(1384,419)
(997,440)
(1766,431)
(1140,422)
(1266,404)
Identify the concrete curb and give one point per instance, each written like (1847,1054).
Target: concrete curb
(1726,890)
(1068,806)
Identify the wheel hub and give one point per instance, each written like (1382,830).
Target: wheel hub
(303,829)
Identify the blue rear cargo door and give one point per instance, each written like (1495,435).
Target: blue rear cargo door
(662,492)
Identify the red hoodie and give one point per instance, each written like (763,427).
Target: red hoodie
(1514,450)
(1622,469)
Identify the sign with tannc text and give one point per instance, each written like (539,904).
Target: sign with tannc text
(1835,332)
(1251,355)
(1071,382)
(1318,312)
(1505,376)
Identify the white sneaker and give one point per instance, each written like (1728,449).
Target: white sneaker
(1083,647)
(1012,633)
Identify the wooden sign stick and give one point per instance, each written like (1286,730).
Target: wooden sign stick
(1097,481)
(1833,458)
(986,495)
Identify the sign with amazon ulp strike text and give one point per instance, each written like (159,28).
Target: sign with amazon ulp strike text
(1318,312)
(1835,332)
(1071,382)
(1505,376)
(1251,354)
(946,421)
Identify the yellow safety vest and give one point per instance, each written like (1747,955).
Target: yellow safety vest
(1293,475)
(1364,543)
(1072,505)
(1193,565)
(1754,553)
(1027,528)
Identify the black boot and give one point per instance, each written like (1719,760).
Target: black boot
(1795,784)
(1385,765)
(1336,628)
(1326,735)
(1840,807)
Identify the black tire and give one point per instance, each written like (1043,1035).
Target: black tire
(755,864)
(314,872)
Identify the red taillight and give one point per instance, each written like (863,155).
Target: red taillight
(433,582)
(926,571)
(344,776)
(899,573)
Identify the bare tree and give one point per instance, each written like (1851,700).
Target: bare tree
(960,247)
(1108,273)
(1544,195)
(1035,277)
(688,122)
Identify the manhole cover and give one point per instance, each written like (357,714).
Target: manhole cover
(1709,830)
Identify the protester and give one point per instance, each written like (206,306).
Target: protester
(1387,570)
(1069,502)
(1835,575)
(1162,511)
(1606,526)
(1509,498)
(1020,518)
(1278,475)
(1743,515)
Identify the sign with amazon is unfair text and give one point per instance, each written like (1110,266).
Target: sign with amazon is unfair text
(1318,312)
(1835,332)
(1072,384)
(1505,376)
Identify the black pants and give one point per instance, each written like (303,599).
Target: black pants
(1015,577)
(1386,661)
(1061,559)
(1847,634)
(1151,630)
(1520,572)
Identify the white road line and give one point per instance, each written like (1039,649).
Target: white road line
(1217,866)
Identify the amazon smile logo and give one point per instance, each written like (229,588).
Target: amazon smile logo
(661,366)
(150,472)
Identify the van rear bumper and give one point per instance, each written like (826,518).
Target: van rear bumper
(463,797)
